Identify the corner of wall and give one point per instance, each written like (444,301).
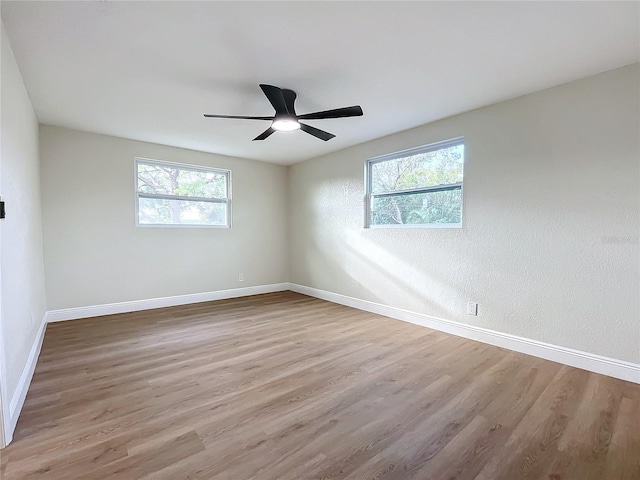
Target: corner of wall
(24,298)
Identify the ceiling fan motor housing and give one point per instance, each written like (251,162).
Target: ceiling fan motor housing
(287,120)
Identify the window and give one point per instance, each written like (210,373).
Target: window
(422,186)
(181,195)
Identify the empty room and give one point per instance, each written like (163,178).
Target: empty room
(320,240)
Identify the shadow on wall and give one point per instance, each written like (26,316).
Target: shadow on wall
(499,262)
(378,275)
(339,258)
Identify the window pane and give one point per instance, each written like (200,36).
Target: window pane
(170,180)
(160,211)
(439,167)
(419,208)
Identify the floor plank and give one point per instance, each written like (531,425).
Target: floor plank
(285,386)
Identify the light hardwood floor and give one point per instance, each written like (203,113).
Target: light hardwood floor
(284,386)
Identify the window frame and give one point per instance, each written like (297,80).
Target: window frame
(183,166)
(431,147)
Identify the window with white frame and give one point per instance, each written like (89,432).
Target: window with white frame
(173,194)
(418,187)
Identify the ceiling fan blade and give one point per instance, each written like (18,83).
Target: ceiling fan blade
(354,111)
(276,98)
(208,115)
(316,132)
(289,100)
(265,134)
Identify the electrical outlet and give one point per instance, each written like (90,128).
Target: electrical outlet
(241,277)
(472,309)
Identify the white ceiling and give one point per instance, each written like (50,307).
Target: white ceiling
(149,70)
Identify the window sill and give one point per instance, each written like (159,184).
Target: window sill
(418,225)
(160,225)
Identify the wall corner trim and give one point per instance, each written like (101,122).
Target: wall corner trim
(17,401)
(19,396)
(148,304)
(574,358)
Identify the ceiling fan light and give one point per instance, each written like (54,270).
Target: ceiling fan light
(285,125)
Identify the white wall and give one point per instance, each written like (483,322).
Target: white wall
(94,253)
(21,263)
(549,244)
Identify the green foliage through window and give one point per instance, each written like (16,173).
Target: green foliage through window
(170,194)
(422,187)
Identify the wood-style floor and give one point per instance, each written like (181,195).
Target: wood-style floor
(284,386)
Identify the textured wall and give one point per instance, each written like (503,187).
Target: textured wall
(549,244)
(94,254)
(23,292)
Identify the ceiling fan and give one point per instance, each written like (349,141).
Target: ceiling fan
(287,120)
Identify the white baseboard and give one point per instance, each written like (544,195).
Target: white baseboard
(19,396)
(575,358)
(137,305)
(17,401)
